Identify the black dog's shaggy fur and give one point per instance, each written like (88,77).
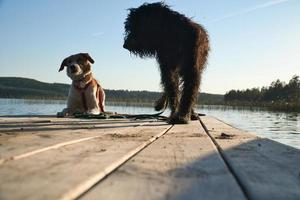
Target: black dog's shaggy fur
(181,48)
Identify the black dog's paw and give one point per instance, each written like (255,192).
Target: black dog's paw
(194,116)
(176,119)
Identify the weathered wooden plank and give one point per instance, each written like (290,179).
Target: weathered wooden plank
(19,118)
(265,168)
(15,127)
(16,143)
(183,164)
(68,171)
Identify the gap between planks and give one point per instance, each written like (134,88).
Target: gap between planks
(265,168)
(87,185)
(183,164)
(223,157)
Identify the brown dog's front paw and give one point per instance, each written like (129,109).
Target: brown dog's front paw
(178,120)
(94,111)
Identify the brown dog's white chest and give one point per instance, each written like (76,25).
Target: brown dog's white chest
(88,93)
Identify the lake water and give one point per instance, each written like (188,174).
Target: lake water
(280,126)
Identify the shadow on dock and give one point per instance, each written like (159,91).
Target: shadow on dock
(264,169)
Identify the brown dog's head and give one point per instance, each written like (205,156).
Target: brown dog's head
(78,65)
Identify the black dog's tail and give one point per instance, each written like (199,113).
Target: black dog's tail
(161,103)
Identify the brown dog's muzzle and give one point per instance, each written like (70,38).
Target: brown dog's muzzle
(73,69)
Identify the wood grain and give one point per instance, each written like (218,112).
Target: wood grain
(18,143)
(57,173)
(183,164)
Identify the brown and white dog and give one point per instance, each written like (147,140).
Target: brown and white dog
(85,94)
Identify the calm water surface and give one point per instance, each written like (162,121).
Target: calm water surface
(280,126)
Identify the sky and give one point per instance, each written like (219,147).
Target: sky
(253,42)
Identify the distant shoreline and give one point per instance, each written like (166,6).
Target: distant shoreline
(30,89)
(24,88)
(233,105)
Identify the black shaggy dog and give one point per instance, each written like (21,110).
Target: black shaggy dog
(181,48)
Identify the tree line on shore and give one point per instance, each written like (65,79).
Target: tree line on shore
(24,88)
(279,95)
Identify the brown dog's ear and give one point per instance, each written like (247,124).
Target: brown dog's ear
(63,64)
(88,57)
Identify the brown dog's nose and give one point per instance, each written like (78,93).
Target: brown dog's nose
(125,45)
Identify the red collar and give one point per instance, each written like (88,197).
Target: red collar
(83,84)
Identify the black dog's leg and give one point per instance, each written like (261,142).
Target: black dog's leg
(191,83)
(189,96)
(170,82)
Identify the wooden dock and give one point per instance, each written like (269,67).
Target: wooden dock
(52,158)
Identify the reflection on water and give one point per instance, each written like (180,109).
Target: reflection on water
(279,126)
(30,107)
